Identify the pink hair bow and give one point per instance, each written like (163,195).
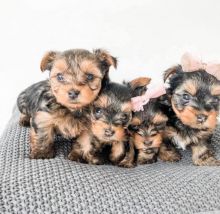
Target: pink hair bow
(193,63)
(189,63)
(139,101)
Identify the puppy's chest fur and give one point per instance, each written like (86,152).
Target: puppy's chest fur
(70,124)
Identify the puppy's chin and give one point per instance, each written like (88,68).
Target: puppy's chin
(106,139)
(73,105)
(77,105)
(70,105)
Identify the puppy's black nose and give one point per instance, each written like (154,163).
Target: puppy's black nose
(201,118)
(73,94)
(109,132)
(148,143)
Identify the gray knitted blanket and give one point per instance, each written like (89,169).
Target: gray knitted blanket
(62,186)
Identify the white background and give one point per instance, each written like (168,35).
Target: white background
(147,36)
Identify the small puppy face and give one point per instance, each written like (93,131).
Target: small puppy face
(76,76)
(195,97)
(111,112)
(147,126)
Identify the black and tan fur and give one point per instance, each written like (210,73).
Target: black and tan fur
(111,114)
(146,130)
(193,106)
(59,105)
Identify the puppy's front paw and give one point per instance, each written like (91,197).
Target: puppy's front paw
(126,164)
(210,161)
(170,155)
(74,156)
(147,161)
(96,161)
(42,155)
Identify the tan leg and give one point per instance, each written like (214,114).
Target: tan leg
(168,152)
(75,153)
(128,160)
(117,152)
(42,136)
(84,151)
(202,156)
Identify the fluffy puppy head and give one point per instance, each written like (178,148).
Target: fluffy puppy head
(111,111)
(194,96)
(76,76)
(146,127)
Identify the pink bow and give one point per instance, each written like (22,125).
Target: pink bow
(140,101)
(189,63)
(192,63)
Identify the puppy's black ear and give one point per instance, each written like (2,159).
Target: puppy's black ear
(139,86)
(105,58)
(171,78)
(47,60)
(171,71)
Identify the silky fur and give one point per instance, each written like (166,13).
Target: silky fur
(60,105)
(108,138)
(146,132)
(192,106)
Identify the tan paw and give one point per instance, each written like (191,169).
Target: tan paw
(126,164)
(96,161)
(171,156)
(42,155)
(210,161)
(147,161)
(73,156)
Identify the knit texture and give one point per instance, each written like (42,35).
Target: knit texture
(62,186)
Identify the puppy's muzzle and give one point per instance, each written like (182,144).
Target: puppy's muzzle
(201,118)
(109,132)
(148,143)
(73,94)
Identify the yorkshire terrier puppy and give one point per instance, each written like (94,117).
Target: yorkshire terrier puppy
(193,108)
(58,105)
(146,130)
(111,114)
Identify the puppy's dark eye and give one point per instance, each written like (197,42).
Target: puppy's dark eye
(133,127)
(60,77)
(160,126)
(98,112)
(154,134)
(89,77)
(186,97)
(124,117)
